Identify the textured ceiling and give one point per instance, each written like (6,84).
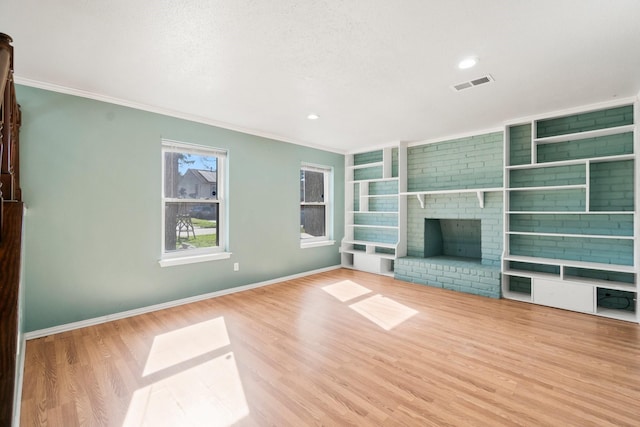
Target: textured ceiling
(375,71)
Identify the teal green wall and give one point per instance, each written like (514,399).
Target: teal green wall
(90,175)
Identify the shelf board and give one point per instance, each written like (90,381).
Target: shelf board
(531,274)
(629,316)
(479,193)
(368,243)
(570,263)
(356,181)
(572,212)
(373,212)
(453,191)
(365,165)
(390,227)
(585,236)
(548,187)
(585,135)
(373,196)
(571,162)
(374,254)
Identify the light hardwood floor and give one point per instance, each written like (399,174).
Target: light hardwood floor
(339,348)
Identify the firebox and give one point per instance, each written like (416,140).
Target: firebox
(454,238)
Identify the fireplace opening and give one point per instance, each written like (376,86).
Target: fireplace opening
(453,238)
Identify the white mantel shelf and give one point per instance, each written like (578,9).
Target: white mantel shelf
(479,193)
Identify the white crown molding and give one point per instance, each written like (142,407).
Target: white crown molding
(164,111)
(574,110)
(135,312)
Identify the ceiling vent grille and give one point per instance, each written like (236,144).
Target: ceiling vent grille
(472,83)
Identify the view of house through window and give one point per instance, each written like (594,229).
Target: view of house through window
(314,202)
(192,198)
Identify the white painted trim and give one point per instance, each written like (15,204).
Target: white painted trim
(164,111)
(457,136)
(571,111)
(170,262)
(317,243)
(135,312)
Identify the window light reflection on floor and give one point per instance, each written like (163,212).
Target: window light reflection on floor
(383,311)
(184,344)
(209,394)
(345,290)
(193,380)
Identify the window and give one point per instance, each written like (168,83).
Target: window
(192,203)
(315,208)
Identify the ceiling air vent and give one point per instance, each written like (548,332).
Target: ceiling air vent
(472,83)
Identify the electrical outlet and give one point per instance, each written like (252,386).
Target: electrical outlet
(236,266)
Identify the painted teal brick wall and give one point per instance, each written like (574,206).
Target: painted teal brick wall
(388,219)
(573,224)
(378,235)
(369,157)
(373,172)
(612,186)
(450,274)
(394,162)
(607,251)
(539,268)
(383,187)
(520,144)
(519,284)
(611,117)
(572,200)
(473,162)
(592,147)
(575,273)
(383,204)
(557,175)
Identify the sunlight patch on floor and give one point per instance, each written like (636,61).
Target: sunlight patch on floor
(346,290)
(186,343)
(209,394)
(383,311)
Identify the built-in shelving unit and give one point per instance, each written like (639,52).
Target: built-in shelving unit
(375,214)
(571,212)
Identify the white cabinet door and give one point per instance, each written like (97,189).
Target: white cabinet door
(570,296)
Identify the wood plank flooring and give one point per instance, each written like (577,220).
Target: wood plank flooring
(335,349)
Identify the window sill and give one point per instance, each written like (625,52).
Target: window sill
(170,262)
(305,245)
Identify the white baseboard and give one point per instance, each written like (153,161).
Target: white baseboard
(124,314)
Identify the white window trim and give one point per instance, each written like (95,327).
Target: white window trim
(169,259)
(192,259)
(316,243)
(325,240)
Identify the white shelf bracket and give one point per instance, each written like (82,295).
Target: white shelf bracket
(480,195)
(420,198)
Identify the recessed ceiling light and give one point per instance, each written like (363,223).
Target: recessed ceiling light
(467,63)
(313,116)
